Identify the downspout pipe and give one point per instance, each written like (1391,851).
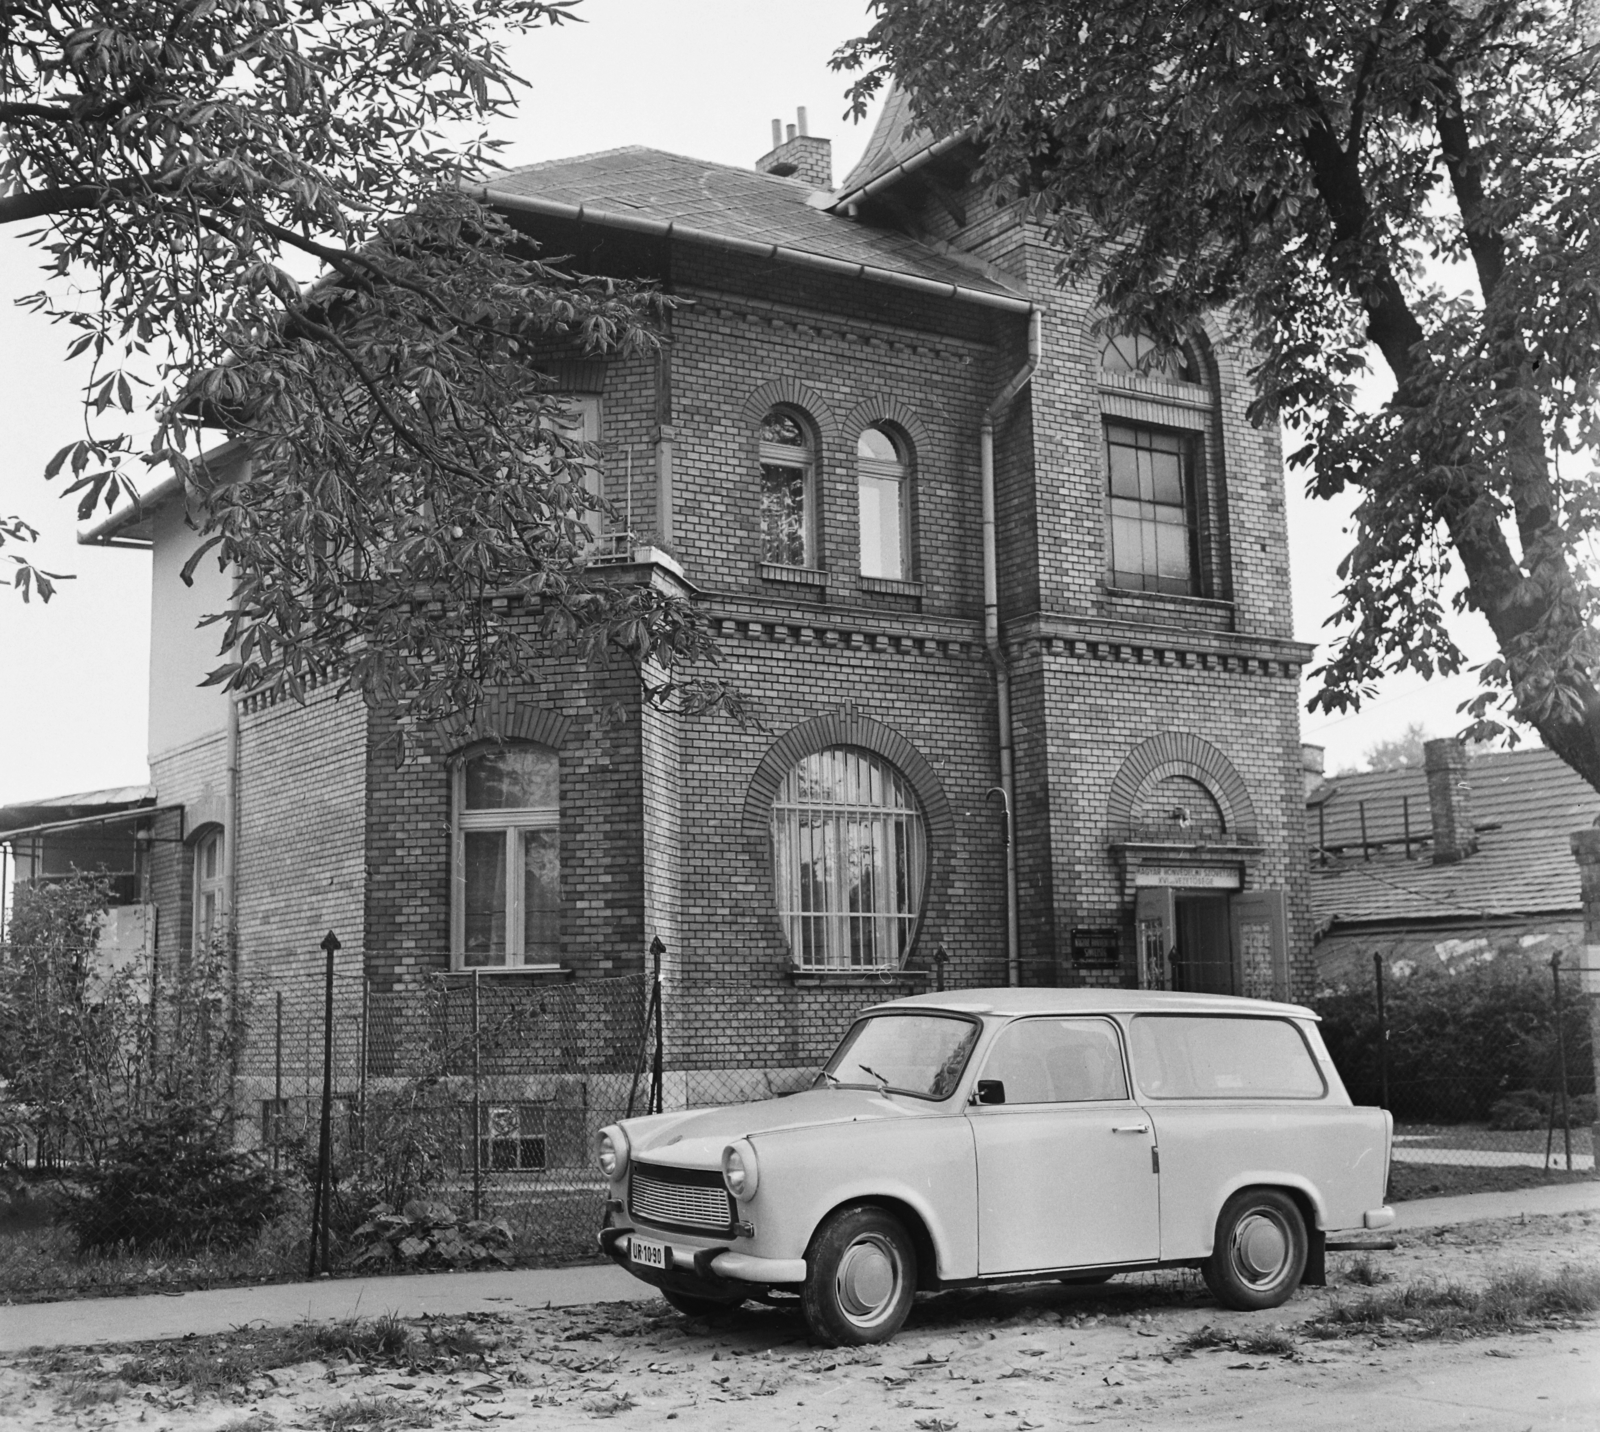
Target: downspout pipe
(991,634)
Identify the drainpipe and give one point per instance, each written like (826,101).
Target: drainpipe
(991,634)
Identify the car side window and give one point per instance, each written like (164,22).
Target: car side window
(1222,1057)
(1058,1061)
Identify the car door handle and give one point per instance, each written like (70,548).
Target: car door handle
(1130,1128)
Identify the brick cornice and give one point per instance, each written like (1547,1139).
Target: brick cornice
(1146,644)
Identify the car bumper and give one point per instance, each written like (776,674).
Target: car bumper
(705,1264)
(1377,1217)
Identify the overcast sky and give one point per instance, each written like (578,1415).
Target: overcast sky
(698,77)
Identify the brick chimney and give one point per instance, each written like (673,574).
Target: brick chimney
(799,155)
(1313,766)
(1449,800)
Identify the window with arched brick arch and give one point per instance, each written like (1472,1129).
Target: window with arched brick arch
(850,854)
(788,490)
(506,910)
(882,485)
(1155,456)
(209,885)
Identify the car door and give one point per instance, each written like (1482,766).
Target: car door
(1066,1164)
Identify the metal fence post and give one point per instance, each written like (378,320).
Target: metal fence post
(1561,1063)
(366,1016)
(277,1083)
(1383,1031)
(657,949)
(477,1107)
(319,1204)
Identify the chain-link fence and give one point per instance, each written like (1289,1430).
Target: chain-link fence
(1489,1072)
(463,1107)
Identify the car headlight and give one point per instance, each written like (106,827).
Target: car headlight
(613,1152)
(739,1170)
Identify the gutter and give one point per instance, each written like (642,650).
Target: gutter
(900,170)
(672,229)
(991,634)
(8,837)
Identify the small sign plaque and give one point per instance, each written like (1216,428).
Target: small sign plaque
(1096,945)
(1189,877)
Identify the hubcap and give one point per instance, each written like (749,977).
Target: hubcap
(868,1279)
(1260,1248)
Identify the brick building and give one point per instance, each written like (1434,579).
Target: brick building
(1010,599)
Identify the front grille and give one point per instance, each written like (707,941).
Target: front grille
(691,1199)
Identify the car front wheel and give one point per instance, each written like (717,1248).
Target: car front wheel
(860,1277)
(1260,1252)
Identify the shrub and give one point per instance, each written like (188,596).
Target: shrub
(428,1235)
(1460,1044)
(173,1181)
(1531,1109)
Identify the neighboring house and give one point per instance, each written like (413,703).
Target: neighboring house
(848,394)
(1463,861)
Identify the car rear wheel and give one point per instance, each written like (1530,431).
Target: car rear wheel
(1260,1251)
(861,1274)
(693,1307)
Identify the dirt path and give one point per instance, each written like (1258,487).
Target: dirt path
(1041,1357)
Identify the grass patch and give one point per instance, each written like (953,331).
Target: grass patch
(1367,1273)
(255,1422)
(1420,1180)
(1515,1301)
(374,1412)
(225,1361)
(1273,1342)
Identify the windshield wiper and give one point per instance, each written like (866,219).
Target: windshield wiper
(834,1081)
(883,1084)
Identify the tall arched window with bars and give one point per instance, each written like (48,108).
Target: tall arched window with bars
(850,850)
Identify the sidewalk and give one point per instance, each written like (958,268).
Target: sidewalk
(90,1321)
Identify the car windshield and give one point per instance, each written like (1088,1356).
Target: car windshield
(918,1054)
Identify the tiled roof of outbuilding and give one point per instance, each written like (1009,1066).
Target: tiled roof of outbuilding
(1524,805)
(722,201)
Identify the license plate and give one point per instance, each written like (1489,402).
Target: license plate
(648,1254)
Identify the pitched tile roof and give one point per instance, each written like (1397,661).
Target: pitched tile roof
(896,137)
(1524,804)
(720,201)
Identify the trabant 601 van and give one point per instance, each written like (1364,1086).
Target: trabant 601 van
(1002,1135)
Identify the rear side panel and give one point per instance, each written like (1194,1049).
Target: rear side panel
(1335,1154)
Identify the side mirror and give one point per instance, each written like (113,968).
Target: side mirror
(990,1091)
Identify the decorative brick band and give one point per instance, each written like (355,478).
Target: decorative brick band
(850,728)
(1175,753)
(507,718)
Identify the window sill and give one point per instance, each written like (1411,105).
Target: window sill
(794,576)
(890,586)
(1209,612)
(856,979)
(467,971)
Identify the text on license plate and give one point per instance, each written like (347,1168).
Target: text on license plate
(648,1254)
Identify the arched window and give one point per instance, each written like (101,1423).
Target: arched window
(1137,352)
(208,892)
(885,523)
(788,482)
(507,907)
(850,856)
(1152,479)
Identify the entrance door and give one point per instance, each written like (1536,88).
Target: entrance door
(1203,962)
(1066,1170)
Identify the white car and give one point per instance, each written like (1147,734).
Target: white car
(1002,1135)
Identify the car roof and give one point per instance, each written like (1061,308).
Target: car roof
(1006,1002)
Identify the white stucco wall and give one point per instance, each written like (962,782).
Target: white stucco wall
(181,651)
